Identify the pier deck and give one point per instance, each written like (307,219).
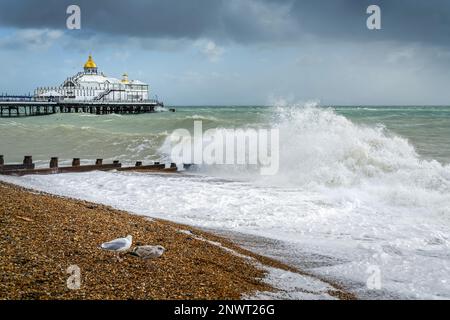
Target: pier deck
(39,108)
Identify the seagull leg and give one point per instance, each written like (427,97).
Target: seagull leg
(118,257)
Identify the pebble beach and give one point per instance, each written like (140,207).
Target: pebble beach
(42,235)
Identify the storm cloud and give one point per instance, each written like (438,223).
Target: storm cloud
(241,21)
(238,51)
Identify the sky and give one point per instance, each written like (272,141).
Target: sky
(237,52)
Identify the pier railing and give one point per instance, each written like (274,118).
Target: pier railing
(6,97)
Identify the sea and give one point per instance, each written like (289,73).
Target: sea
(361,196)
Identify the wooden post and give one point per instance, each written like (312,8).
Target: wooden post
(98,162)
(187,165)
(2,161)
(138,163)
(54,162)
(28,161)
(76,162)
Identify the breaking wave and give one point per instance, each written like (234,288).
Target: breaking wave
(321,150)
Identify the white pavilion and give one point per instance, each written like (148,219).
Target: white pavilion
(90,85)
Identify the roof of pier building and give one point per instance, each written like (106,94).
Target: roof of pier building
(91,76)
(90,63)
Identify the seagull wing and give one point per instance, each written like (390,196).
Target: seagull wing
(116,244)
(148,252)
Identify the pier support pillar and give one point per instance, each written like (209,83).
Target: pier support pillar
(138,163)
(98,162)
(2,160)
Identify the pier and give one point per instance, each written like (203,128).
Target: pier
(27,167)
(88,91)
(26,108)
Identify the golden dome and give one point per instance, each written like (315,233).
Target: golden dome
(90,63)
(125,78)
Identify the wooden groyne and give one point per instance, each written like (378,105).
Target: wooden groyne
(28,167)
(19,108)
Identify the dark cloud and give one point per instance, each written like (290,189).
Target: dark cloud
(244,21)
(402,20)
(168,18)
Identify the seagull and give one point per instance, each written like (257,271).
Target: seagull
(148,252)
(118,245)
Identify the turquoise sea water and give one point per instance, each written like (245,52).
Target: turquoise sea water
(427,128)
(132,137)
